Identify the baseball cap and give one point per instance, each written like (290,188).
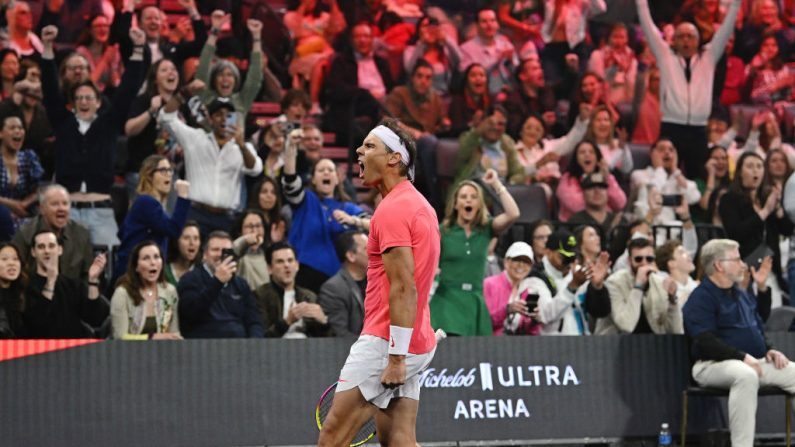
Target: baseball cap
(593,180)
(220,103)
(564,242)
(519,249)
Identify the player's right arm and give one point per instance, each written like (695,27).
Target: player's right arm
(399,267)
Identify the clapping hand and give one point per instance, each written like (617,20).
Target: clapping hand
(96,268)
(760,276)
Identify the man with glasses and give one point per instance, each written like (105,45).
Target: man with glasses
(725,323)
(87,137)
(636,306)
(575,291)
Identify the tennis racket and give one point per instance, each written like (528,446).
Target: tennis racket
(364,434)
(367,431)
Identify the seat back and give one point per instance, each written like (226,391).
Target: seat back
(780,319)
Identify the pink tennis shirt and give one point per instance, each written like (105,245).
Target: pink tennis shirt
(403,219)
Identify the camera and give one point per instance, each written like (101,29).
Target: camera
(228,252)
(671,200)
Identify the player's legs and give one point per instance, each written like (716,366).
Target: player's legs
(396,425)
(349,411)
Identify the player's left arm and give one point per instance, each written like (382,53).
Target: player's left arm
(399,266)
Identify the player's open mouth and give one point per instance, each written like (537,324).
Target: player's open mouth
(361,169)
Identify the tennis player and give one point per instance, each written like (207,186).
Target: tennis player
(380,378)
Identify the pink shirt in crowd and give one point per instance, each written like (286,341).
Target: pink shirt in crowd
(403,219)
(572,199)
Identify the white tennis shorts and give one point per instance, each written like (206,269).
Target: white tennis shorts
(367,361)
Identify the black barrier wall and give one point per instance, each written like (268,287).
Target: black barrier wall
(249,392)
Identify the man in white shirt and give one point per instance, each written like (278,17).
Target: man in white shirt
(494,51)
(215,161)
(686,77)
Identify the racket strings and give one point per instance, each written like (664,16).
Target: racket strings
(364,434)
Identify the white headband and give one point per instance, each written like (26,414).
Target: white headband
(393,142)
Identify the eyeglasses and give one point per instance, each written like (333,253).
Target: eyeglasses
(737,259)
(639,259)
(168,171)
(85,98)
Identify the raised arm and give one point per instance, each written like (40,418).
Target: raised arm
(510,212)
(217,20)
(721,37)
(653,35)
(248,93)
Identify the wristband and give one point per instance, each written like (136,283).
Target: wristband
(93,283)
(399,339)
(639,286)
(214,31)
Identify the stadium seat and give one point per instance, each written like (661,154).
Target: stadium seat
(640,155)
(780,319)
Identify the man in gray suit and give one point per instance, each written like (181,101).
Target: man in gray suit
(342,296)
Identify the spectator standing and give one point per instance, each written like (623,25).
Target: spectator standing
(213,301)
(313,29)
(103,57)
(429,43)
(144,304)
(215,162)
(769,79)
(728,355)
(493,50)
(55,215)
(58,306)
(617,65)
(87,138)
(266,196)
(342,296)
(288,310)
(686,81)
(646,110)
(716,183)
(458,306)
(147,218)
(71,17)
(250,248)
(565,31)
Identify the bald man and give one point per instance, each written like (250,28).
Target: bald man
(687,73)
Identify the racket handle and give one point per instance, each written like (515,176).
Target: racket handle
(440,334)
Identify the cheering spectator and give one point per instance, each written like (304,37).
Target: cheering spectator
(523,20)
(596,211)
(183,253)
(320,213)
(674,259)
(572,291)
(646,108)
(250,248)
(147,218)
(144,304)
(540,156)
(271,150)
(295,105)
(764,19)
(777,170)
(589,239)
(641,301)
(587,159)
(664,175)
(439,50)
(13,281)
(616,64)
(539,232)
(87,138)
(508,294)
(103,57)
(467,228)
(20,36)
(145,137)
(311,142)
(54,215)
(20,171)
(730,354)
(590,89)
(213,301)
(215,162)
(70,17)
(769,79)
(158,46)
(686,81)
(288,310)
(73,71)
(565,31)
(765,135)
(706,15)
(533,96)
(266,196)
(716,183)
(342,296)
(752,216)
(313,29)
(491,49)
(356,81)
(223,79)
(9,69)
(733,87)
(603,131)
(56,305)
(468,106)
(486,147)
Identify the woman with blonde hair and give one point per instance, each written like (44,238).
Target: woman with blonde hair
(147,218)
(144,304)
(458,306)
